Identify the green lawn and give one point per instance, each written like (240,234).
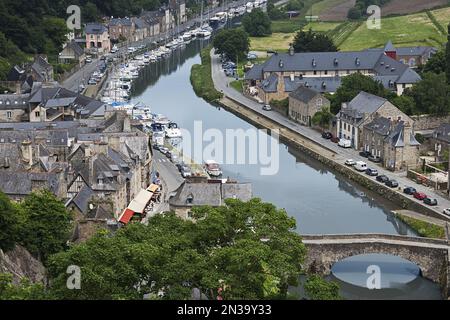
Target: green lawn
(237,85)
(411,30)
(442,16)
(287,25)
(277,41)
(424,229)
(321,26)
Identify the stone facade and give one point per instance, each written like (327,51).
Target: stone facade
(304,103)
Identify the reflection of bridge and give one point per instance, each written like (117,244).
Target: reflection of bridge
(431,255)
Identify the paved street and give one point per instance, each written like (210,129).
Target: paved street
(169,173)
(221,82)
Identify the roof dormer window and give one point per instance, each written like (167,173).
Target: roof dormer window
(314,63)
(357,61)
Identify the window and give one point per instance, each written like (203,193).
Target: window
(319,102)
(37,114)
(326,72)
(9,114)
(315,72)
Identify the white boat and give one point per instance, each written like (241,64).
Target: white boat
(172,131)
(187,36)
(213,168)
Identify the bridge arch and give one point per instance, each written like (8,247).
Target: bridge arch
(432,256)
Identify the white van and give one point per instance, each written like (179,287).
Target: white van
(361,166)
(345,143)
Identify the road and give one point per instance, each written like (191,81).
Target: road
(221,81)
(82,76)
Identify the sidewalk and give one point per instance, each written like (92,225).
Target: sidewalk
(221,82)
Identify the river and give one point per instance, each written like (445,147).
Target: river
(321,201)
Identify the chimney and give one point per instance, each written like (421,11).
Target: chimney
(100,147)
(292,77)
(127,124)
(27,151)
(291,50)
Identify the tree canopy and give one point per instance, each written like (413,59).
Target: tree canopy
(233,43)
(249,250)
(352,85)
(310,41)
(257,23)
(8,223)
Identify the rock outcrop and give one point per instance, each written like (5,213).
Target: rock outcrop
(21,264)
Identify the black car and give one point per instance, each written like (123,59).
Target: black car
(430,202)
(365,154)
(327,135)
(392,184)
(382,178)
(409,190)
(372,172)
(375,159)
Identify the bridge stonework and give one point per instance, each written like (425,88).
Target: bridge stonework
(432,256)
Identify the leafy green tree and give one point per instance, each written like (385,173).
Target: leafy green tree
(317,288)
(257,23)
(233,43)
(8,223)
(431,95)
(294,5)
(354,14)
(25,290)
(274,12)
(313,42)
(405,103)
(322,118)
(47,225)
(249,250)
(352,85)
(436,64)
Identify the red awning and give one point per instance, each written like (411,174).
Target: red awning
(126,216)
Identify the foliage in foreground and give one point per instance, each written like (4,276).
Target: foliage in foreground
(317,288)
(251,250)
(234,44)
(310,41)
(25,290)
(424,229)
(257,23)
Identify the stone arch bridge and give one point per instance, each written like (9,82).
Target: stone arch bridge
(431,255)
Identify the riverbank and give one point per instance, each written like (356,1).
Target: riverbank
(201,78)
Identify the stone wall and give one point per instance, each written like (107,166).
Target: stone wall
(427,122)
(21,264)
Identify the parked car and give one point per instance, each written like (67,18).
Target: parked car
(267,107)
(420,195)
(88,60)
(186,172)
(446,212)
(375,159)
(392,184)
(360,166)
(92,82)
(252,56)
(335,139)
(365,154)
(372,172)
(382,178)
(345,143)
(430,201)
(163,150)
(327,135)
(350,162)
(409,190)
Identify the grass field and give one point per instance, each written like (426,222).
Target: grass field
(277,41)
(442,16)
(325,5)
(287,25)
(411,30)
(321,26)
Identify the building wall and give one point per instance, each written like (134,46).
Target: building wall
(11,115)
(101,42)
(304,112)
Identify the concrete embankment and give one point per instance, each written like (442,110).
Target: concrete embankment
(327,157)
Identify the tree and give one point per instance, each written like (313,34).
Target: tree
(47,225)
(249,250)
(274,12)
(233,43)
(354,14)
(294,5)
(257,23)
(436,63)
(8,223)
(447,56)
(431,95)
(405,103)
(352,85)
(322,118)
(317,288)
(25,290)
(313,42)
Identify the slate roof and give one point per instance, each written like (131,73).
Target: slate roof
(13,101)
(95,28)
(380,125)
(319,84)
(140,23)
(304,94)
(81,200)
(270,84)
(20,183)
(121,22)
(77,49)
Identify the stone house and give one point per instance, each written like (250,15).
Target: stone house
(393,141)
(153,20)
(142,29)
(411,56)
(204,193)
(97,38)
(121,28)
(354,115)
(13,107)
(178,8)
(304,103)
(72,52)
(282,73)
(41,69)
(440,140)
